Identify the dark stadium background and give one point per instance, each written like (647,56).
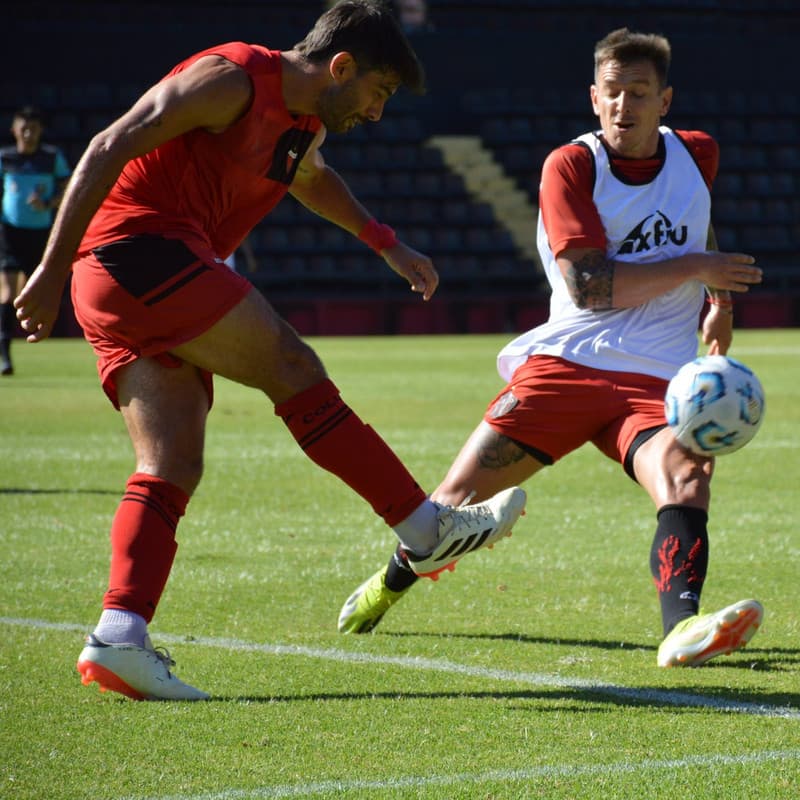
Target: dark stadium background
(513,76)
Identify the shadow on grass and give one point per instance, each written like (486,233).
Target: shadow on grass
(525,639)
(602,697)
(600,700)
(761,658)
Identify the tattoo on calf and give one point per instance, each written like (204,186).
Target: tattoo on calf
(591,282)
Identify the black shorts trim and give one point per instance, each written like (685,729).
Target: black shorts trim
(638,441)
(144,263)
(177,285)
(539,455)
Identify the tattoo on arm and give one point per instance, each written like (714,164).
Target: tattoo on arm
(496,451)
(590,282)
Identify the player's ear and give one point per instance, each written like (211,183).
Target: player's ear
(342,67)
(593,98)
(666,100)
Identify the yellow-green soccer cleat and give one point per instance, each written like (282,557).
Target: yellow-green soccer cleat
(365,608)
(695,640)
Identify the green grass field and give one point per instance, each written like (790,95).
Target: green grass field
(528,673)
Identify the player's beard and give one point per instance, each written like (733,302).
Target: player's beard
(336,108)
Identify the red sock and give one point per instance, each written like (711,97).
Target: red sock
(333,436)
(143,543)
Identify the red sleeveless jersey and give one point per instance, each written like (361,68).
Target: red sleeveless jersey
(212,189)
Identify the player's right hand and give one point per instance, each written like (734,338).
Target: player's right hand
(733,272)
(415,267)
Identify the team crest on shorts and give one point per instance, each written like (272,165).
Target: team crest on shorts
(505,403)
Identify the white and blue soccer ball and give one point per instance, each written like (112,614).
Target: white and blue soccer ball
(714,405)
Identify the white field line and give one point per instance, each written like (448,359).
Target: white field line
(630,694)
(532,774)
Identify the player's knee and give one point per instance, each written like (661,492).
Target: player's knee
(183,470)
(193,472)
(300,366)
(300,356)
(689,479)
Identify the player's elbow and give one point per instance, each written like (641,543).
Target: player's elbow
(589,278)
(589,294)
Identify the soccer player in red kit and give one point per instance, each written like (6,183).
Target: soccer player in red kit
(157,202)
(623,231)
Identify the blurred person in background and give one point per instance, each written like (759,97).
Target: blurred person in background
(32,180)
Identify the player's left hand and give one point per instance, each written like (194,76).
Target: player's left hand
(415,267)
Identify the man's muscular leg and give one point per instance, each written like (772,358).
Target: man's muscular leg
(254,346)
(488,463)
(165,411)
(679,484)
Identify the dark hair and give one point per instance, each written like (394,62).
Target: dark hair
(29,114)
(369,31)
(626,46)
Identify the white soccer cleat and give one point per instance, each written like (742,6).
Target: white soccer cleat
(695,640)
(141,673)
(465,529)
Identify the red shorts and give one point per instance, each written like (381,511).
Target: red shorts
(553,406)
(140,296)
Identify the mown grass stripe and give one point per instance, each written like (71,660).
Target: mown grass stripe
(545,771)
(630,694)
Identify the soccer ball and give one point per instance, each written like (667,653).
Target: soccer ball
(714,405)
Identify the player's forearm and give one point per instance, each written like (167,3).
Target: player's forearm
(720,272)
(329,197)
(89,185)
(598,283)
(636,284)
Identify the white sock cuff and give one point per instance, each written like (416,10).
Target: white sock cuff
(118,626)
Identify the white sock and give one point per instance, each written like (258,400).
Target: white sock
(419,532)
(117,626)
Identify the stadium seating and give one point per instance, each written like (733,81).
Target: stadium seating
(498,72)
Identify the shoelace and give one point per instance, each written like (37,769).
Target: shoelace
(162,654)
(455,513)
(466,501)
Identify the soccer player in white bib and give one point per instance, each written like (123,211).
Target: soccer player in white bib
(624,234)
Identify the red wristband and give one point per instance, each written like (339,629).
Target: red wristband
(377,236)
(723,304)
